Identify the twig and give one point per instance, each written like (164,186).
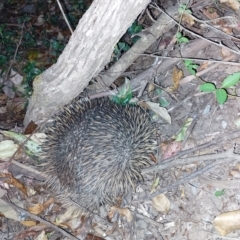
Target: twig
(210,26)
(64,16)
(197,35)
(181,181)
(231,135)
(204,71)
(194,59)
(189,160)
(37,218)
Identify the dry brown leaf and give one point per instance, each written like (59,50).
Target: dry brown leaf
(36,209)
(225,52)
(161,203)
(172,149)
(210,13)
(69,214)
(124,212)
(187,18)
(234,173)
(204,65)
(234,4)
(13,181)
(237,167)
(227,30)
(227,222)
(48,202)
(150,87)
(177,76)
(28,223)
(31,127)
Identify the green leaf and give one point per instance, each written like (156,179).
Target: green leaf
(191,70)
(55,44)
(2,27)
(183,40)
(135,28)
(208,87)
(159,91)
(124,95)
(179,35)
(194,66)
(183,9)
(135,39)
(231,80)
(188,62)
(219,193)
(121,45)
(163,102)
(3,60)
(221,95)
(182,133)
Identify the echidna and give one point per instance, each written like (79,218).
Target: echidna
(96,149)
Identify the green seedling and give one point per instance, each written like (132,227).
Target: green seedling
(181,38)
(191,66)
(183,9)
(221,93)
(219,193)
(124,95)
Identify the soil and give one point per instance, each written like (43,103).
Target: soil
(195,202)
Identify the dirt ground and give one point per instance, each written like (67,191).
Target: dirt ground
(198,190)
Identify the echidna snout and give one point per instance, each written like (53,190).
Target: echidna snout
(96,150)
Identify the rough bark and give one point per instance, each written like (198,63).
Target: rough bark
(88,51)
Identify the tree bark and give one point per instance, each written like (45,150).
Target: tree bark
(88,51)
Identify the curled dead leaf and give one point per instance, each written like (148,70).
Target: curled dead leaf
(28,223)
(227,222)
(13,181)
(38,208)
(177,76)
(124,212)
(161,203)
(187,18)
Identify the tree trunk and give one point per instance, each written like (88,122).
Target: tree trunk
(88,51)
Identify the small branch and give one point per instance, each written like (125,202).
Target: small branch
(227,137)
(197,35)
(189,160)
(64,16)
(182,181)
(194,59)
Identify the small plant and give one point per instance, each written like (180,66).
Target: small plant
(123,46)
(124,95)
(181,38)
(183,9)
(221,93)
(219,193)
(191,66)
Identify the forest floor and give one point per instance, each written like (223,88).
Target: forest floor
(196,79)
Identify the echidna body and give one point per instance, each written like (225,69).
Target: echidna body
(96,150)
